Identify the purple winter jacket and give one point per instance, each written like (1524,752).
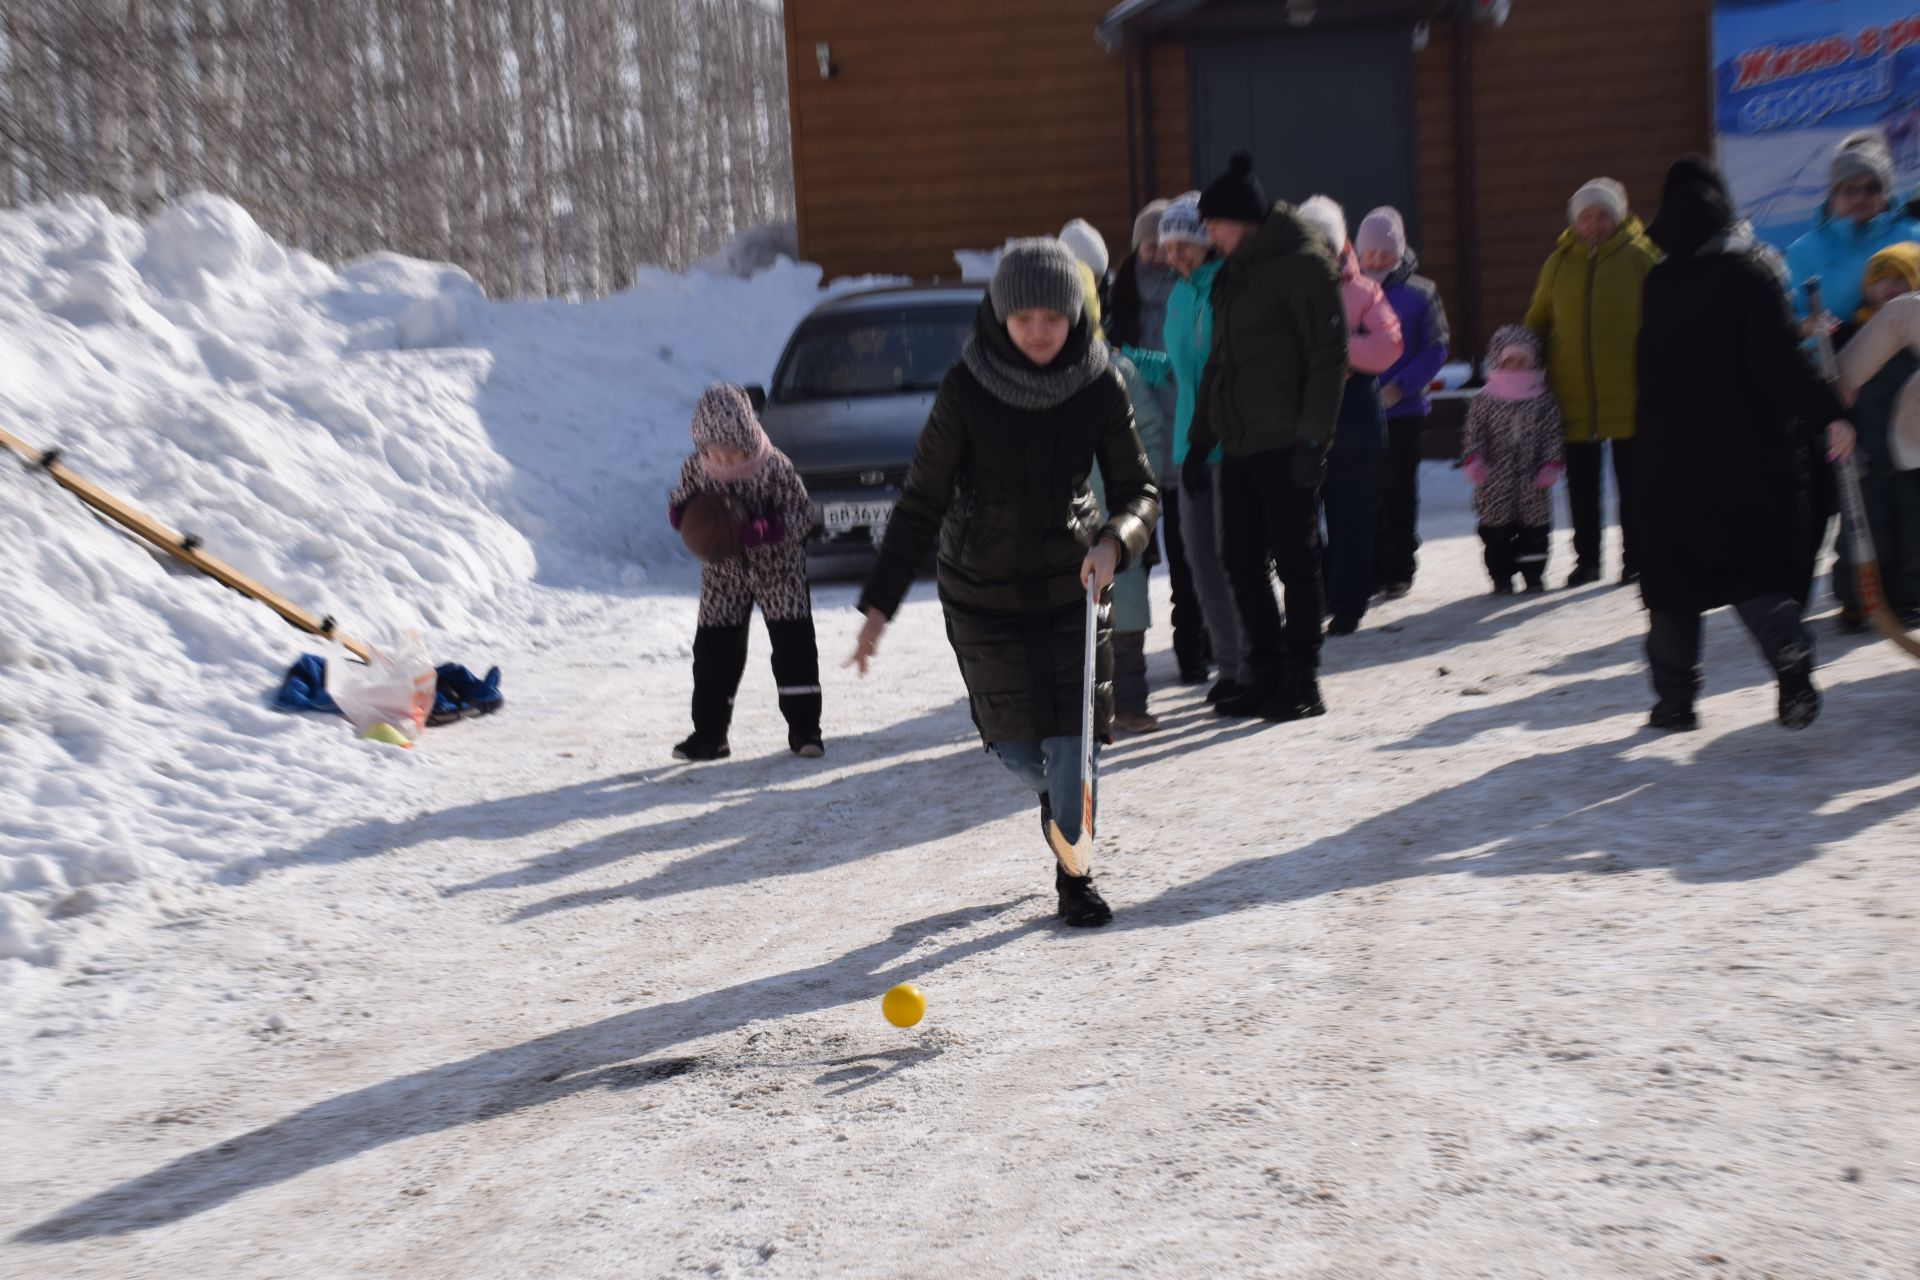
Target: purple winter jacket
(1423,330)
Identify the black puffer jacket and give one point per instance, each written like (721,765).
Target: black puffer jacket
(1730,407)
(1004,493)
(1279,361)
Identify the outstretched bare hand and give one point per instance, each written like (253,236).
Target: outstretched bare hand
(868,644)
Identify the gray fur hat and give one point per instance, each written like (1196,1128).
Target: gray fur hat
(1037,273)
(1862,155)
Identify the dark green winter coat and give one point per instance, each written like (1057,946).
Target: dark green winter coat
(1004,494)
(1279,362)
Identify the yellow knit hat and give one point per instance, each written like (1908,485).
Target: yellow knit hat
(1895,262)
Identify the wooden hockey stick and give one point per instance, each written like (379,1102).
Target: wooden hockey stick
(1867,587)
(182,547)
(1077,857)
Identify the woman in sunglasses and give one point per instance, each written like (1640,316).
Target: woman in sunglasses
(1858,220)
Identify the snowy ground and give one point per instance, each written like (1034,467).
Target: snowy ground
(376,441)
(1471,978)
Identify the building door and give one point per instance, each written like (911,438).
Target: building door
(1321,111)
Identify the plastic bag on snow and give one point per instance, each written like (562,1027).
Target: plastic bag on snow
(394,687)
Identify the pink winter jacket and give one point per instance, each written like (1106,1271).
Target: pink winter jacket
(1373,330)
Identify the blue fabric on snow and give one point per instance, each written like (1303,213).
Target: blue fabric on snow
(458,694)
(305,688)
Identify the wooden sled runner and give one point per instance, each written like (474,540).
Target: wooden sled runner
(182,547)
(1077,855)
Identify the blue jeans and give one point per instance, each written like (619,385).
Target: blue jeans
(1051,767)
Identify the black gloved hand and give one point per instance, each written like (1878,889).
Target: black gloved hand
(1194,475)
(1309,466)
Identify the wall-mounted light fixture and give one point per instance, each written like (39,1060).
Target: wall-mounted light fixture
(823,53)
(1300,12)
(1422,36)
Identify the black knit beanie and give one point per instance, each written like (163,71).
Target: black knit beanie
(1236,194)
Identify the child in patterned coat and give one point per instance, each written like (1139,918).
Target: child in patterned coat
(734,459)
(1512,455)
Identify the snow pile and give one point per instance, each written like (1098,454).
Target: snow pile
(754,250)
(377,442)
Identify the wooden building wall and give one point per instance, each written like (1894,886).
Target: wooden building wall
(952,126)
(1568,90)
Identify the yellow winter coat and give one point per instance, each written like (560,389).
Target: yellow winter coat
(1586,310)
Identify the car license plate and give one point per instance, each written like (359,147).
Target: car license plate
(840,517)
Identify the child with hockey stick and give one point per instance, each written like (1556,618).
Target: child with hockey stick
(999,483)
(1512,454)
(1879,360)
(734,460)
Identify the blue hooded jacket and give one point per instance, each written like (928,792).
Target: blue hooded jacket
(1838,252)
(1423,328)
(1189,341)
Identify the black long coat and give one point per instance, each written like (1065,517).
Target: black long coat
(1004,493)
(1730,407)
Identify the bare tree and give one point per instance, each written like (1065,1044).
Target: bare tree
(547,146)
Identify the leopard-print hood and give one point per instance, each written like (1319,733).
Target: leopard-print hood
(724,419)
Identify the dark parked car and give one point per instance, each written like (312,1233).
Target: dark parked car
(850,395)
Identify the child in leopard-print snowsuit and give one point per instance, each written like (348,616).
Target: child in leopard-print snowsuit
(1512,455)
(733,458)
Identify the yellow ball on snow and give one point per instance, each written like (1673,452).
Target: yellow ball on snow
(903,1005)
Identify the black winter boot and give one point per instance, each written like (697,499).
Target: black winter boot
(1245,701)
(1799,700)
(699,748)
(1224,689)
(1080,903)
(1192,652)
(1673,717)
(1789,650)
(1296,698)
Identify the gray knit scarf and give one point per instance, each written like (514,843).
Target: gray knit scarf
(1012,379)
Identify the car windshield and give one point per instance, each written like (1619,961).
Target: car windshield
(878,352)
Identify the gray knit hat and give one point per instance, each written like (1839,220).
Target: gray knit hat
(1147,226)
(1382,231)
(1862,155)
(1037,273)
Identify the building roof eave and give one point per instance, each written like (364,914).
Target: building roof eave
(1131,15)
